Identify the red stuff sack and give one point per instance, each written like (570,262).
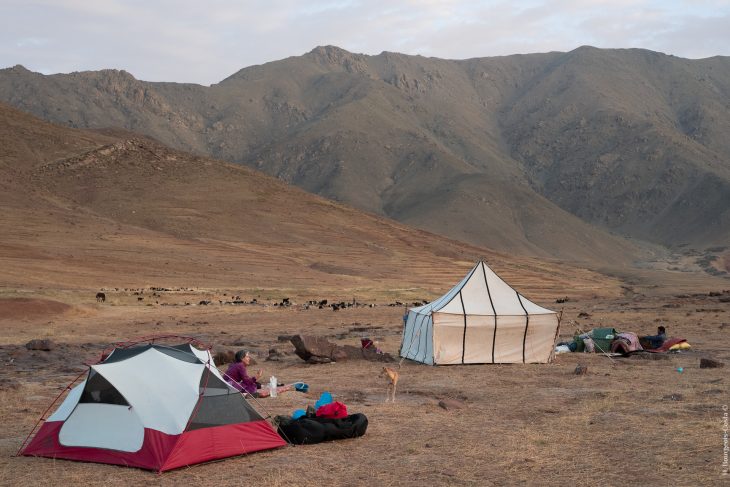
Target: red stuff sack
(334,410)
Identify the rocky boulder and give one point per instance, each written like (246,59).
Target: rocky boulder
(41,344)
(314,349)
(450,403)
(359,353)
(318,350)
(706,363)
(221,357)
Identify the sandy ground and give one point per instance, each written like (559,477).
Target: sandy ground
(632,421)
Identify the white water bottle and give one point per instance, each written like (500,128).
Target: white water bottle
(272,386)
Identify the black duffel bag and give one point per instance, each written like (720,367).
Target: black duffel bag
(307,431)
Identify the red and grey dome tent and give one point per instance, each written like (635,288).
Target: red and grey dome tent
(156,407)
(480,320)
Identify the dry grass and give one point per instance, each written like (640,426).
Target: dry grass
(522,424)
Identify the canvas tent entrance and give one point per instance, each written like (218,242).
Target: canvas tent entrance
(156,407)
(481,320)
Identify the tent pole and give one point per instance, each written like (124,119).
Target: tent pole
(557,334)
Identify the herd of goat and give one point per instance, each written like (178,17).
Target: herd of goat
(236,300)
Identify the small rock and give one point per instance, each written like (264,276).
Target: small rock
(274,355)
(221,357)
(41,344)
(706,363)
(9,384)
(581,369)
(318,360)
(318,350)
(313,349)
(451,404)
(673,397)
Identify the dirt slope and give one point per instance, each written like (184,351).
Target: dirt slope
(92,210)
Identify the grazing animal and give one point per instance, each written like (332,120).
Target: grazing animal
(392,376)
(100,297)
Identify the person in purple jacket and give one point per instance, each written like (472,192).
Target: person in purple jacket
(238,377)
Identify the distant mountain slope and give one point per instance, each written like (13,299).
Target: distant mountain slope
(530,154)
(632,140)
(114,209)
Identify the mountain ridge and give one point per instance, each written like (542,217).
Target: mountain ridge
(592,143)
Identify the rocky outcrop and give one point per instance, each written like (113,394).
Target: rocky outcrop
(319,350)
(706,363)
(43,344)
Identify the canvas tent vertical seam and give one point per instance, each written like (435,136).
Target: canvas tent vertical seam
(418,349)
(463,337)
(527,324)
(406,329)
(491,302)
(429,334)
(424,337)
(413,336)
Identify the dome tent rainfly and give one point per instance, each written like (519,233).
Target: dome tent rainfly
(156,407)
(480,320)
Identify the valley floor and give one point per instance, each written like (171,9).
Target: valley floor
(628,421)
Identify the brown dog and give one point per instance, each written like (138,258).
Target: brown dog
(392,376)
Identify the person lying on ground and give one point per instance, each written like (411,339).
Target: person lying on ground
(237,376)
(655,341)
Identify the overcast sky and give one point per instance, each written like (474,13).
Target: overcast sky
(204,41)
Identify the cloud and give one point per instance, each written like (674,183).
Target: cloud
(204,42)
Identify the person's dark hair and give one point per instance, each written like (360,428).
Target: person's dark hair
(662,330)
(240,354)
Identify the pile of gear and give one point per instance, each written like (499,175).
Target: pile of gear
(608,340)
(327,420)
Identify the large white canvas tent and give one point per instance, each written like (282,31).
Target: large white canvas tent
(480,320)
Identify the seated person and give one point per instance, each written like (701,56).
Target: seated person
(652,342)
(238,377)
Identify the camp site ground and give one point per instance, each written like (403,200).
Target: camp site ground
(631,420)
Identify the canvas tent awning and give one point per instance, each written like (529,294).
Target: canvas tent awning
(480,320)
